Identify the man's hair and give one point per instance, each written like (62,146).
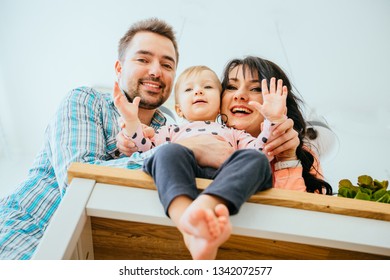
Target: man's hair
(153,25)
(193,70)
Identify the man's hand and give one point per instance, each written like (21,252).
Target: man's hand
(283,142)
(125,145)
(210,151)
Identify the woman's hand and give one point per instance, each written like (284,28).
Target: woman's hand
(210,151)
(283,142)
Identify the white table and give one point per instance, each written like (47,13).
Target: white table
(277,215)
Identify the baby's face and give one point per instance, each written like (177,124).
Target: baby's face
(200,97)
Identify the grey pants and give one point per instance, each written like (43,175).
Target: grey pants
(174,169)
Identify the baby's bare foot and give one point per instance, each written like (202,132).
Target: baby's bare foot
(200,223)
(223,215)
(204,249)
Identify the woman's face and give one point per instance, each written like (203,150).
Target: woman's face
(239,91)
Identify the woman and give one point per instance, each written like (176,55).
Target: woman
(296,169)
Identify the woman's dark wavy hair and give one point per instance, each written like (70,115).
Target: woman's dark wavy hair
(266,70)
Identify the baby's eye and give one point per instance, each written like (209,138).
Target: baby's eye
(208,87)
(187,89)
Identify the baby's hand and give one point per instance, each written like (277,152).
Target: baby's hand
(274,101)
(147,131)
(128,110)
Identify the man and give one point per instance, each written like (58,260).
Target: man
(84,129)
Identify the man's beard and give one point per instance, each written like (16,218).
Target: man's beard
(143,104)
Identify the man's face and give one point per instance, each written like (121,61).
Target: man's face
(148,69)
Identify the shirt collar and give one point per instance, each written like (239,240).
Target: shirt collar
(158,119)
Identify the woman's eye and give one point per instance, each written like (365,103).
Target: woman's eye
(256,89)
(230,87)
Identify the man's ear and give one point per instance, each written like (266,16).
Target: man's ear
(178,111)
(118,69)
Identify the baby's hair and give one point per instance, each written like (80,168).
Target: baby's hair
(193,70)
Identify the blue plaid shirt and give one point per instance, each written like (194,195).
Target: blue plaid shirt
(83,130)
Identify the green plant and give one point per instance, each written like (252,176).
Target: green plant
(366,189)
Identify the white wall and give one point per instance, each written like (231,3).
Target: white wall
(336,52)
